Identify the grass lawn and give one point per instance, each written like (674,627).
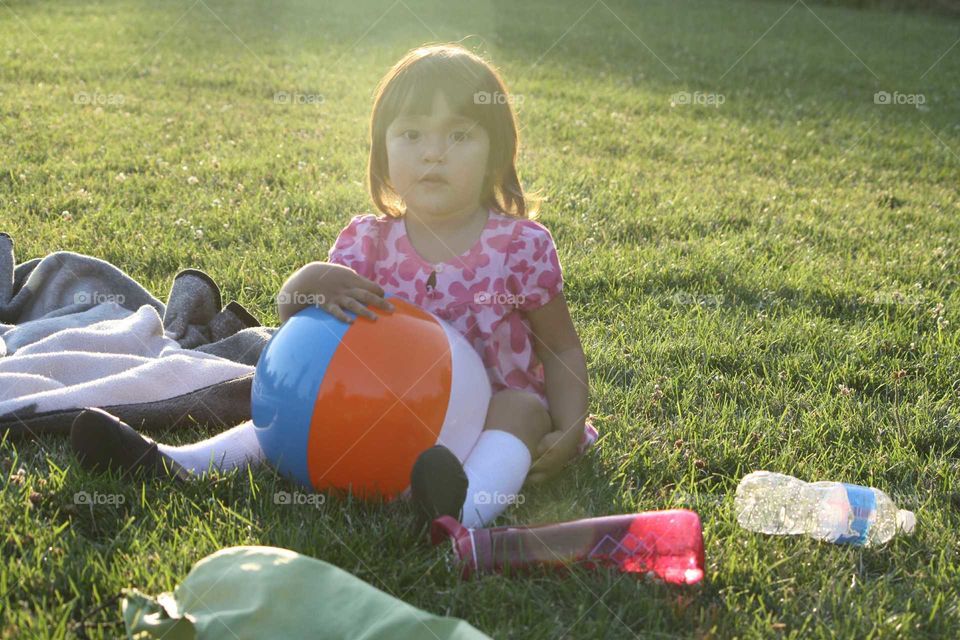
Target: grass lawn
(763,271)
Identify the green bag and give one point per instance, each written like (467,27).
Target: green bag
(266,592)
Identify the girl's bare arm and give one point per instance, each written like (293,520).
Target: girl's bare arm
(331,287)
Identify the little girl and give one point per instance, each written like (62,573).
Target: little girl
(456,239)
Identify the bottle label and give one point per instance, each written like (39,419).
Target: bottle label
(863,503)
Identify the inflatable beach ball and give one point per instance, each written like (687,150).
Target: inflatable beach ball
(351,406)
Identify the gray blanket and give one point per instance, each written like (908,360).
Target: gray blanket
(76,331)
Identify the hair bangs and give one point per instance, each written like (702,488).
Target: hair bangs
(460,85)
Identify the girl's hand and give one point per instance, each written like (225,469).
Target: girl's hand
(333,288)
(346,289)
(555,450)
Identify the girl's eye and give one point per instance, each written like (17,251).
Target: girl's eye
(411,134)
(460,136)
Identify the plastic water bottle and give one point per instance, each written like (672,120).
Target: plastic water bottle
(842,513)
(664,544)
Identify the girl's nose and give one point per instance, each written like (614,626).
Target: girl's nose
(434,150)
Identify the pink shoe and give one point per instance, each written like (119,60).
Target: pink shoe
(589,438)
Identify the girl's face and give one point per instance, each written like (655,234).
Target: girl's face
(437,162)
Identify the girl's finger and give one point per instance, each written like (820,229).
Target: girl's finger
(336,312)
(548,445)
(541,465)
(369,285)
(536,478)
(357,307)
(370,298)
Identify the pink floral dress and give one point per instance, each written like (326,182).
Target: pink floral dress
(513,268)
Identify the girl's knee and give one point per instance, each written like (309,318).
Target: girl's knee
(519,413)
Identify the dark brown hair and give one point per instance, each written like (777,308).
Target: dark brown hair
(473,89)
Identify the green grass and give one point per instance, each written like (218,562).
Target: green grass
(747,281)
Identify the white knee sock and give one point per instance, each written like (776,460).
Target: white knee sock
(225,451)
(496,468)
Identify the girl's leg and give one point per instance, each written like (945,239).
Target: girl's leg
(498,464)
(103,441)
(232,449)
(487,481)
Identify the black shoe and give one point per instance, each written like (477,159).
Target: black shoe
(102,441)
(438,485)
